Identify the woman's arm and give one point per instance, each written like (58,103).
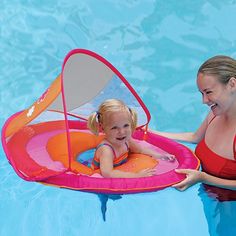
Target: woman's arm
(192,137)
(187,136)
(218,182)
(195,176)
(106,157)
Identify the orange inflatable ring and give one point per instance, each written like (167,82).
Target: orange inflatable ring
(83,141)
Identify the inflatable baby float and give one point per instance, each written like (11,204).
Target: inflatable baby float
(49,142)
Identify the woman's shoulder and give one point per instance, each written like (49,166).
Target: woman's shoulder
(210,117)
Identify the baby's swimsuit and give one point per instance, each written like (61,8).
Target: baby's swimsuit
(117,160)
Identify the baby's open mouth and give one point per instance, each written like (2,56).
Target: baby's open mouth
(120,139)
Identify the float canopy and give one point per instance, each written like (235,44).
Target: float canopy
(86,80)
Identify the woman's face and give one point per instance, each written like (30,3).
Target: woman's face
(217,96)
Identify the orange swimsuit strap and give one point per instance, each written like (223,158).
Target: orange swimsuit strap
(117,160)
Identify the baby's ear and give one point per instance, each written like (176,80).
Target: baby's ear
(101,129)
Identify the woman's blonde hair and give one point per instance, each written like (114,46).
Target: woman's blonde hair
(222,67)
(96,119)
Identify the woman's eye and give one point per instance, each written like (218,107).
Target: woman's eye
(208,92)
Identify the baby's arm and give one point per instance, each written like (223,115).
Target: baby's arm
(106,157)
(139,148)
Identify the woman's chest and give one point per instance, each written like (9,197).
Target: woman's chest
(220,138)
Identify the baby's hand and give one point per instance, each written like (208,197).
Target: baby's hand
(168,157)
(146,172)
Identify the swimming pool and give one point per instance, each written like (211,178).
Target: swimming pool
(158,47)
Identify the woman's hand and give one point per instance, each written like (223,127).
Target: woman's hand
(192,177)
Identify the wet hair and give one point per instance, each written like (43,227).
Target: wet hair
(222,67)
(96,119)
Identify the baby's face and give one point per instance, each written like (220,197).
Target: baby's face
(117,127)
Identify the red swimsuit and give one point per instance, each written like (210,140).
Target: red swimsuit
(219,166)
(215,164)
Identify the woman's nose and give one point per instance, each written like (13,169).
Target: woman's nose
(204,99)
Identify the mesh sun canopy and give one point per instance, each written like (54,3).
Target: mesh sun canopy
(88,80)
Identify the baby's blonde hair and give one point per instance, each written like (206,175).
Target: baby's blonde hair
(111,105)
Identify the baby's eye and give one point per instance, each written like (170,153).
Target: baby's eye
(126,125)
(114,128)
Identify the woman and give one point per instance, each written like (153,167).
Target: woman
(216,137)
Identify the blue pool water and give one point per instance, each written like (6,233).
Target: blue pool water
(157,46)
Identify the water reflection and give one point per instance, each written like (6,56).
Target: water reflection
(220,210)
(104,199)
